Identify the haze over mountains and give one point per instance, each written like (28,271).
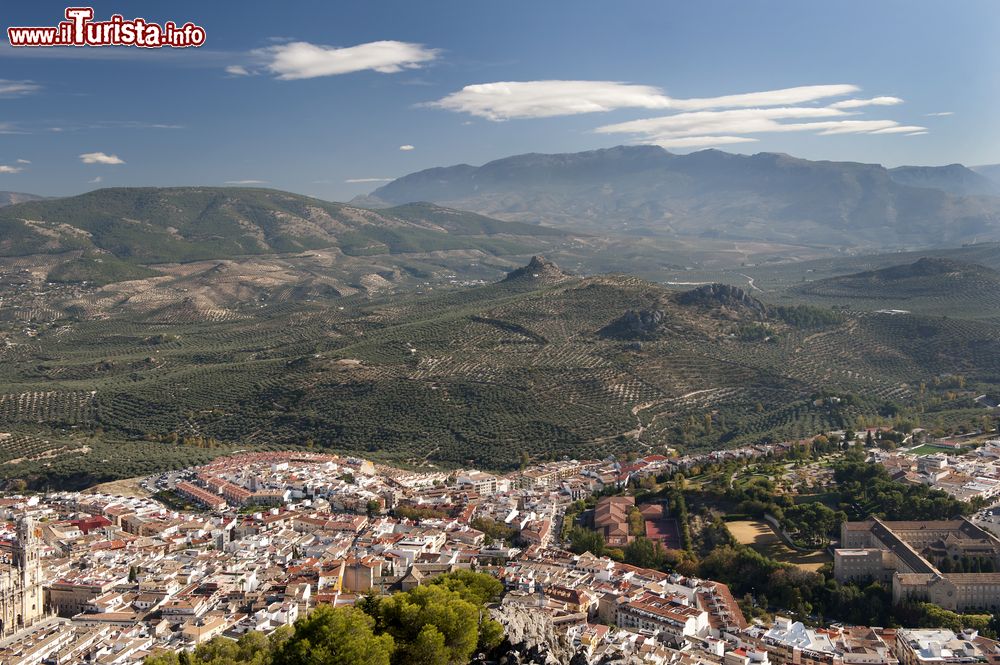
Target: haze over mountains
(714,194)
(10,198)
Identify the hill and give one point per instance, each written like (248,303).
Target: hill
(10,198)
(991,171)
(712,194)
(546,366)
(924,282)
(151,225)
(953,178)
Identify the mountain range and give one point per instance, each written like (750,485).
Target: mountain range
(646,190)
(153,225)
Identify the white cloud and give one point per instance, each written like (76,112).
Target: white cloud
(237,70)
(245,182)
(900,129)
(781,97)
(713,122)
(940,114)
(729,126)
(701,141)
(701,121)
(100,158)
(359,180)
(10,88)
(874,101)
(24,161)
(917,134)
(302,60)
(542,99)
(10,169)
(95,180)
(406,148)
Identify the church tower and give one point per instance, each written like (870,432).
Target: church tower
(27,560)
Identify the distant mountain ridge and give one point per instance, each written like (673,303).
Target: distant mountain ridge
(161,225)
(763,197)
(991,171)
(10,198)
(953,178)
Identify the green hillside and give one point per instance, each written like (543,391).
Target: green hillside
(154,225)
(521,366)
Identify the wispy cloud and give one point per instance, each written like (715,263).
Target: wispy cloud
(95,180)
(874,101)
(100,158)
(237,70)
(701,141)
(10,88)
(303,60)
(360,180)
(780,97)
(507,100)
(406,148)
(24,161)
(691,122)
(4,168)
(728,126)
(543,99)
(245,182)
(940,114)
(917,133)
(708,128)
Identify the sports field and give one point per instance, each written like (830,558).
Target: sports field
(759,535)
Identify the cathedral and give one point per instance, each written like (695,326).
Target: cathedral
(21,597)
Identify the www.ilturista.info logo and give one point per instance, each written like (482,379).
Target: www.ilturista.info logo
(79,29)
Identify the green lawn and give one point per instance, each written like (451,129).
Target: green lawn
(929,449)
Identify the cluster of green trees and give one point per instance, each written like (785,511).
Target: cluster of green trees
(495,530)
(816,596)
(812,524)
(806,316)
(441,623)
(866,489)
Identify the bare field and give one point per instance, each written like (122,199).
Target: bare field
(759,535)
(126,487)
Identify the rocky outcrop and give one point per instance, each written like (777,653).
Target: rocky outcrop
(531,638)
(538,268)
(635,325)
(725,297)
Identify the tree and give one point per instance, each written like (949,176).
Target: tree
(645,553)
(584,540)
(335,636)
(406,616)
(477,588)
(373,508)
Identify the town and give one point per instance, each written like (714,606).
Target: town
(256,540)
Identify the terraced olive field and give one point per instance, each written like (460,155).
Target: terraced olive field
(481,375)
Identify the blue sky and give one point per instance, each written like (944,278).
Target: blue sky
(306,96)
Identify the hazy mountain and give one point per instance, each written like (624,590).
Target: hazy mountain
(991,171)
(9,198)
(151,225)
(953,178)
(714,194)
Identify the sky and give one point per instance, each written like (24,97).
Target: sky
(333,98)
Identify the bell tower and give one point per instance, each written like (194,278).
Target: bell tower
(27,557)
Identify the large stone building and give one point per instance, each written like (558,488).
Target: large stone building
(950,563)
(21,596)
